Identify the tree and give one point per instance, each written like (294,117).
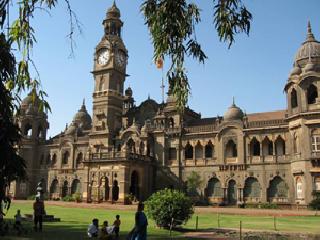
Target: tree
(193,183)
(169,208)
(172,28)
(15,77)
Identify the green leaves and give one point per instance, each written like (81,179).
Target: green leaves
(231,17)
(172,28)
(168,204)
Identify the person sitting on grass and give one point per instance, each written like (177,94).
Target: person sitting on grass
(104,233)
(116,225)
(93,228)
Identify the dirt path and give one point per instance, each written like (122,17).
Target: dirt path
(198,210)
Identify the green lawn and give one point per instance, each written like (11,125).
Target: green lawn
(74,222)
(294,224)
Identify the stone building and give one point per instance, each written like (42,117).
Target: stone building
(128,149)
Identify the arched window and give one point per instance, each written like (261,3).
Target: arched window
(267,147)
(315,140)
(171,122)
(101,84)
(280,146)
(231,149)
(295,143)
(131,145)
(299,190)
(294,99)
(141,148)
(48,159)
(317,183)
(209,149)
(255,147)
(54,159)
(199,150)
(79,158)
(312,94)
(65,158)
(188,151)
(28,130)
(172,153)
(40,132)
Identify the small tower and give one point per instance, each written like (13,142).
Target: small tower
(303,83)
(33,124)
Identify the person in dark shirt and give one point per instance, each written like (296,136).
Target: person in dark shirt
(38,212)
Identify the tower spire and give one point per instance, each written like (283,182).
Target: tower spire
(310,36)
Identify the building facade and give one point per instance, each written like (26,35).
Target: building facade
(127,149)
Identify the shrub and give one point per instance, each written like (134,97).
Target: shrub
(166,204)
(77,197)
(31,197)
(315,203)
(68,198)
(268,206)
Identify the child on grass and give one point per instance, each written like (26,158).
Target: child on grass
(116,225)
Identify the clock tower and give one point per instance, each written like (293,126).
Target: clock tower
(109,72)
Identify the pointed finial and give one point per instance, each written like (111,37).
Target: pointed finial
(148,96)
(233,104)
(310,36)
(84,102)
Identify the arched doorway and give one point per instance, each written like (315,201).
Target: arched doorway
(54,188)
(232,192)
(115,191)
(134,187)
(277,190)
(214,188)
(252,190)
(75,186)
(64,189)
(106,189)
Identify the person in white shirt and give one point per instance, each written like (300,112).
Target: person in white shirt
(93,228)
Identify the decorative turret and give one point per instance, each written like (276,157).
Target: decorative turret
(233,113)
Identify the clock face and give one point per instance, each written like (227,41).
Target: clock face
(103,56)
(121,59)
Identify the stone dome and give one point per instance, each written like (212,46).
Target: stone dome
(113,11)
(233,113)
(30,106)
(310,49)
(82,118)
(71,129)
(128,92)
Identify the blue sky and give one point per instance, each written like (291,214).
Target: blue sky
(254,70)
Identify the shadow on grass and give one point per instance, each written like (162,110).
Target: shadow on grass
(72,230)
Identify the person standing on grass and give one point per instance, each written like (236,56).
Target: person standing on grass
(116,225)
(141,223)
(38,212)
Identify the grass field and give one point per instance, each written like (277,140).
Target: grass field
(74,222)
